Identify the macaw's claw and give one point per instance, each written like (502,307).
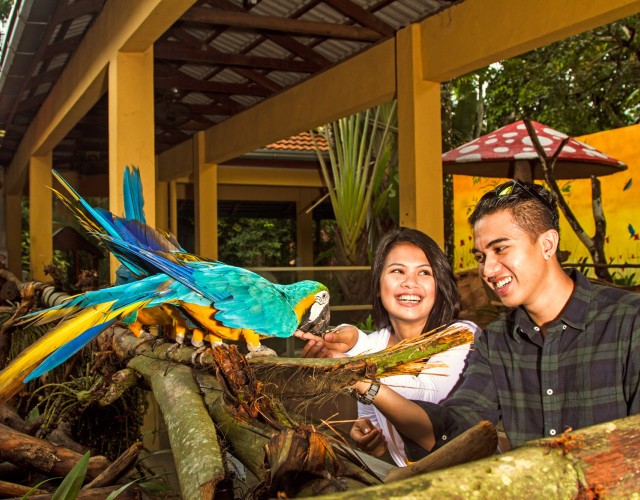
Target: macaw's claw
(144,337)
(196,357)
(173,347)
(260,351)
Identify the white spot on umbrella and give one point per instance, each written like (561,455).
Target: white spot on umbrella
(544,141)
(468,149)
(525,156)
(471,157)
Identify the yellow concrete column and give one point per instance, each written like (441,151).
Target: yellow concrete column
(205,192)
(419,140)
(131,129)
(40,215)
(13,220)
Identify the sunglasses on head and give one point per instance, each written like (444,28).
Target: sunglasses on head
(507,188)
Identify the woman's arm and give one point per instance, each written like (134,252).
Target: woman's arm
(405,415)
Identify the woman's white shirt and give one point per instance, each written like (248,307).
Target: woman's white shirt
(433,384)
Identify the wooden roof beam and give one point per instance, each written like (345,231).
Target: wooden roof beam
(362,16)
(296,26)
(184,82)
(208,55)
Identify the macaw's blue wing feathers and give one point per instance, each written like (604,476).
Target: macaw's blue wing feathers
(166,264)
(249,301)
(63,353)
(132,193)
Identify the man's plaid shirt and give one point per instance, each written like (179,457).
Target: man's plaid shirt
(586,370)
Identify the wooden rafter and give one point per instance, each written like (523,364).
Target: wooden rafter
(297,26)
(285,41)
(360,15)
(177,52)
(186,83)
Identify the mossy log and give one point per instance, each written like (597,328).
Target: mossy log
(595,462)
(192,435)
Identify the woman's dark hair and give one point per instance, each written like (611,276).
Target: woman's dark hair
(447,303)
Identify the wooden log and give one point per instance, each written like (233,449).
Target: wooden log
(478,442)
(131,493)
(595,462)
(10,418)
(117,468)
(192,434)
(14,490)
(27,451)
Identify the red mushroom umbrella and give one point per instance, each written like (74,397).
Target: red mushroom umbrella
(509,153)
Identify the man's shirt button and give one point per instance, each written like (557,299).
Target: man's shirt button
(549,392)
(552,432)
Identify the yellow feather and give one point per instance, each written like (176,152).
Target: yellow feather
(303,305)
(12,376)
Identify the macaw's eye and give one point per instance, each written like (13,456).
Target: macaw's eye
(322,297)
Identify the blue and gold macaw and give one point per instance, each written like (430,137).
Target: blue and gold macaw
(193,299)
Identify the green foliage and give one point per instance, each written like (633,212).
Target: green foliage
(367,325)
(580,85)
(361,149)
(5,9)
(70,486)
(257,242)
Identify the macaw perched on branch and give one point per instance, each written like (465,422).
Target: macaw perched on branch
(192,298)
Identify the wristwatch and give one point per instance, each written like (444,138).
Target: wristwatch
(368,397)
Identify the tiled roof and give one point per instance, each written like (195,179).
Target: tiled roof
(300,142)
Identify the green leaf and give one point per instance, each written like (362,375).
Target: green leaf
(70,486)
(28,494)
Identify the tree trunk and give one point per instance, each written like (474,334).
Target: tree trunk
(595,462)
(193,438)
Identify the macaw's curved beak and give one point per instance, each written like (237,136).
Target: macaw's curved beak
(318,324)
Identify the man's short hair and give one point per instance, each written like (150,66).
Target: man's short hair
(532,207)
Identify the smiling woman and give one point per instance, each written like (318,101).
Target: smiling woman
(413,291)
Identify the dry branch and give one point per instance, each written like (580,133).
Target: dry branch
(478,442)
(26,451)
(15,490)
(117,468)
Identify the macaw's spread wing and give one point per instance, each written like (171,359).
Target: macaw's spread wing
(248,301)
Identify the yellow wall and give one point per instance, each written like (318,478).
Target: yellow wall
(621,207)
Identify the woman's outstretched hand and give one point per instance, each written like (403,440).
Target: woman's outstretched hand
(334,344)
(368,438)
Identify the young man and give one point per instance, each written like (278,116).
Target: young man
(567,356)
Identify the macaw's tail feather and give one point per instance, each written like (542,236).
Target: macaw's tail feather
(62,342)
(12,377)
(131,229)
(63,353)
(133,197)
